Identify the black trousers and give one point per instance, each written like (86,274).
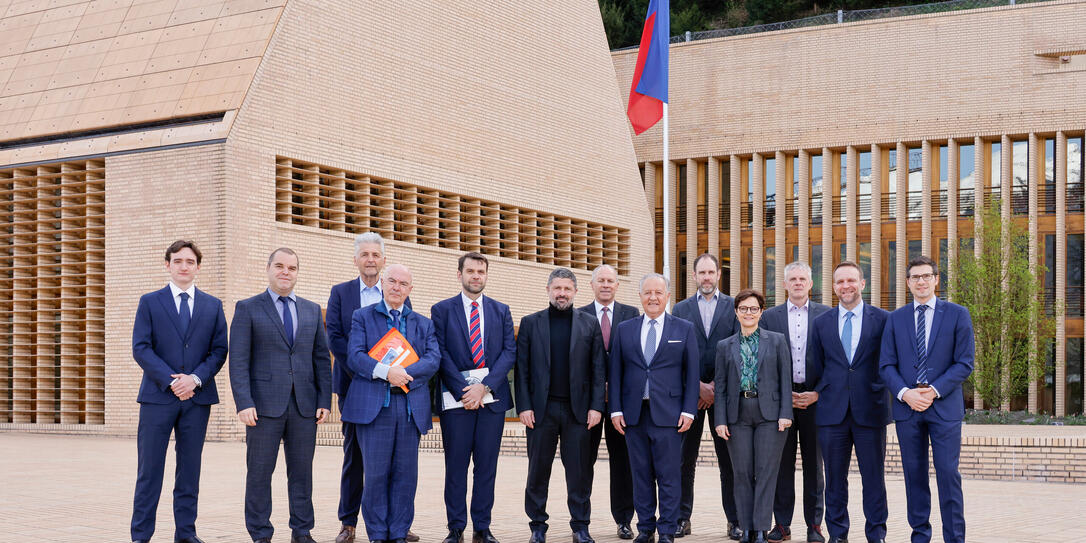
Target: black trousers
(556,425)
(691,445)
(618,460)
(805,432)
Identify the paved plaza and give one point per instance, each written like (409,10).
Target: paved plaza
(64,488)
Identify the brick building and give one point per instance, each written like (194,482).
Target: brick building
(874,140)
(247,125)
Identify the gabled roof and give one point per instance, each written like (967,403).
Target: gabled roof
(77,65)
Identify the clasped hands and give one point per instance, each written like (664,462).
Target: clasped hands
(184,386)
(803,400)
(919,399)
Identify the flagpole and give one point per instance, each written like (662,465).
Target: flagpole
(667,209)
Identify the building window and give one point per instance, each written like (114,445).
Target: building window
(1074,275)
(916,183)
(680,207)
(1073,379)
(1020,177)
(769,174)
(308,194)
(726,270)
(1046,397)
(1074,175)
(1048,190)
(770,276)
(1049,274)
(725,196)
(816,189)
(966,182)
(816,274)
(52,293)
(865,176)
(995,171)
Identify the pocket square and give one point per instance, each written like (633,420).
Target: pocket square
(674,341)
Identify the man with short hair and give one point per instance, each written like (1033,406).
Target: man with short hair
(793,319)
(389,405)
(344,299)
(609,313)
(654,378)
(853,406)
(559,387)
(713,315)
(179,340)
(281,378)
(925,376)
(475,335)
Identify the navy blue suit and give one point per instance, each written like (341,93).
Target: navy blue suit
(389,423)
(853,411)
(473,435)
(162,348)
(651,425)
(949,361)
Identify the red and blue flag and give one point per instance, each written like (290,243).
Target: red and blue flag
(648,90)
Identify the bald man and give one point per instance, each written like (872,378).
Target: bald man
(388,421)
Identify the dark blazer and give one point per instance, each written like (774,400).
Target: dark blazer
(587,365)
(724,325)
(264,368)
(161,349)
(774,377)
(776,320)
(366,395)
(840,386)
(342,302)
(672,373)
(499,347)
(949,362)
(622,312)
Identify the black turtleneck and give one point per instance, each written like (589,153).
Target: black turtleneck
(561,324)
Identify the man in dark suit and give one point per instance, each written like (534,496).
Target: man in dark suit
(925,376)
(559,388)
(390,406)
(853,406)
(478,350)
(609,313)
(345,298)
(281,377)
(713,315)
(654,395)
(179,340)
(793,319)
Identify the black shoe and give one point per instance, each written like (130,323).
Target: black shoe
(581,536)
(141,541)
(667,538)
(624,531)
(759,537)
(734,533)
(411,537)
(840,540)
(302,539)
(192,539)
(814,534)
(262,540)
(483,536)
(645,537)
(683,527)
(879,540)
(780,533)
(745,538)
(397,540)
(538,537)
(455,536)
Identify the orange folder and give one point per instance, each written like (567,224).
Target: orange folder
(394,350)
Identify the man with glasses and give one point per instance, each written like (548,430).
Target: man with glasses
(927,351)
(853,406)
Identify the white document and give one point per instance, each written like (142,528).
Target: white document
(473,377)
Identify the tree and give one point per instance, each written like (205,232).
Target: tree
(1004,298)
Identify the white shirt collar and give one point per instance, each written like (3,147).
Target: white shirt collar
(362,284)
(856,311)
(713,298)
(806,305)
(176,290)
(930,303)
(659,320)
(467,301)
(610,307)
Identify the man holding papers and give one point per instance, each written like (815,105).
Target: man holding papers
(389,404)
(477,352)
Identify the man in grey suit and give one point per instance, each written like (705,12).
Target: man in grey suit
(281,376)
(713,315)
(793,319)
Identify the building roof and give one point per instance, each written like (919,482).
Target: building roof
(79,65)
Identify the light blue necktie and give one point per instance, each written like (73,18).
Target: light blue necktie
(649,351)
(846,337)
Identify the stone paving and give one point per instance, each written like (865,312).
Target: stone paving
(65,488)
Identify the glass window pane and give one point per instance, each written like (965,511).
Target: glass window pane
(995,165)
(944,163)
(890,291)
(1074,275)
(916,183)
(942,267)
(1073,390)
(770,276)
(864,251)
(816,189)
(816,273)
(865,186)
(770,177)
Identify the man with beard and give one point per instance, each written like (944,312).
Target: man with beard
(475,333)
(560,385)
(853,406)
(713,315)
(610,313)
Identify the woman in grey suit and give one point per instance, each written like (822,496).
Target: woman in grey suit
(754,401)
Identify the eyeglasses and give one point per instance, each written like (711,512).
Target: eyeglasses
(748,309)
(922,277)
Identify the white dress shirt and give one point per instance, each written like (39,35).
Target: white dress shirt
(610,313)
(645,320)
(191,291)
(369,295)
(929,315)
(797,334)
(857,324)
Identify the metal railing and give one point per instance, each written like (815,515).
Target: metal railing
(843,16)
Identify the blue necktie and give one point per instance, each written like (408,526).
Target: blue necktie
(921,344)
(649,351)
(395,318)
(185,315)
(846,337)
(288,321)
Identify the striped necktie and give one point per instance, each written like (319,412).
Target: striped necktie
(921,344)
(475,337)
